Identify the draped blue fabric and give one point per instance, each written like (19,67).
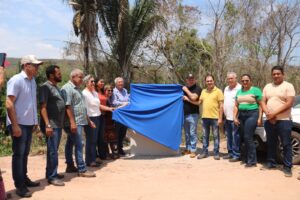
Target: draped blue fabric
(155,111)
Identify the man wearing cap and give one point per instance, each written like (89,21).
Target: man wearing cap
(191,115)
(21,107)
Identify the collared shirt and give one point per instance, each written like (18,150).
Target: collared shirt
(51,95)
(229,100)
(120,97)
(74,98)
(277,95)
(211,103)
(24,90)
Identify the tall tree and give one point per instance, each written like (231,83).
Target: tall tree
(127,27)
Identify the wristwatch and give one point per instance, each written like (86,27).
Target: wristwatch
(48,126)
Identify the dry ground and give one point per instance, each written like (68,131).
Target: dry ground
(154,178)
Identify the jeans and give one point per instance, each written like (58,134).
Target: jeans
(233,139)
(248,123)
(21,149)
(121,131)
(52,155)
(190,129)
(206,125)
(75,139)
(91,140)
(281,129)
(101,145)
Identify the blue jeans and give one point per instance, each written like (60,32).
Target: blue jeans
(75,140)
(206,125)
(21,149)
(101,145)
(190,129)
(52,155)
(233,139)
(248,123)
(91,140)
(282,129)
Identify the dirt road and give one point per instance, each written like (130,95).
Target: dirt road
(154,178)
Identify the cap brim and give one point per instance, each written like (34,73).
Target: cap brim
(37,62)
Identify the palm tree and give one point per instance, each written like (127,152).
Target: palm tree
(85,25)
(127,28)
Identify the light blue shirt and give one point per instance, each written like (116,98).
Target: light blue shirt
(120,97)
(24,90)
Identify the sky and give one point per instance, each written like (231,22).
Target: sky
(43,29)
(36,27)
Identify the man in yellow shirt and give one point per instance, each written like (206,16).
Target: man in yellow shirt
(212,113)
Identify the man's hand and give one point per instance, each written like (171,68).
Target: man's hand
(220,121)
(49,132)
(185,98)
(185,89)
(73,127)
(16,130)
(236,121)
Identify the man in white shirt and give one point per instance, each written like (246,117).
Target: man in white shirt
(233,139)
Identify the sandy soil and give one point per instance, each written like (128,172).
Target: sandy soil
(149,178)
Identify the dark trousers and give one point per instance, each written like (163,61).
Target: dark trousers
(121,131)
(102,148)
(91,136)
(21,149)
(281,129)
(248,123)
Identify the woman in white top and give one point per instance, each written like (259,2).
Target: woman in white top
(93,111)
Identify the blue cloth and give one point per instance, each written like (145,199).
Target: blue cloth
(155,111)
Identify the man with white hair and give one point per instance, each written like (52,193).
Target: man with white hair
(76,120)
(120,98)
(21,105)
(231,130)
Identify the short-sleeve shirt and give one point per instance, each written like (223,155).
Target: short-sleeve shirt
(55,104)
(73,97)
(92,103)
(24,90)
(248,100)
(277,95)
(188,107)
(229,101)
(211,103)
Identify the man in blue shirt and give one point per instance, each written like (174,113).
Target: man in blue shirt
(21,107)
(120,99)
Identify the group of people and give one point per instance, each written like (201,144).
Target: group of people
(75,111)
(240,108)
(69,109)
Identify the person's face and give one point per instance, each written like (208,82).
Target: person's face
(32,69)
(190,81)
(91,84)
(246,82)
(77,79)
(277,76)
(120,84)
(100,84)
(108,92)
(231,80)
(210,83)
(57,75)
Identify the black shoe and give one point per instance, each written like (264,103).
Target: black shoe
(287,172)
(249,165)
(227,157)
(30,183)
(268,166)
(217,157)
(23,192)
(56,182)
(234,160)
(71,169)
(121,152)
(201,156)
(60,176)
